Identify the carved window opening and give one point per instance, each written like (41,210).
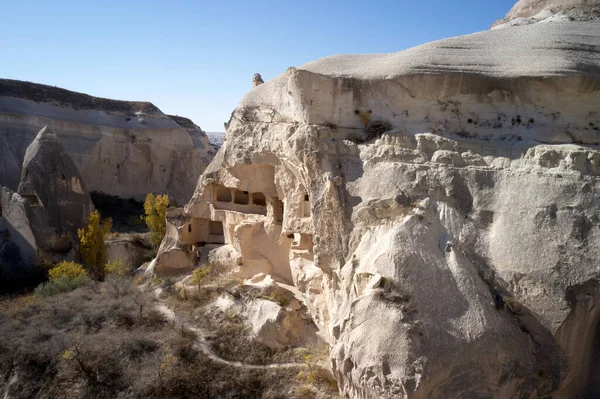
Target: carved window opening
(259,199)
(215,228)
(223,194)
(278,210)
(241,197)
(305,206)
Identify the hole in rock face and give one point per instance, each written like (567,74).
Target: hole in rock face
(241,197)
(278,209)
(223,194)
(259,199)
(305,206)
(215,227)
(189,228)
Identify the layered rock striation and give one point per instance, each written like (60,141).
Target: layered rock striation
(437,208)
(121,148)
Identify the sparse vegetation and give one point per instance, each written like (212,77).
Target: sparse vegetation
(199,275)
(89,343)
(70,270)
(64,277)
(316,375)
(117,268)
(92,247)
(155,208)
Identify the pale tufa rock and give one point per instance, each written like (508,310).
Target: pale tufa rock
(452,255)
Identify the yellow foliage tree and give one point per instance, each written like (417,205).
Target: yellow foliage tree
(70,270)
(155,209)
(117,268)
(92,248)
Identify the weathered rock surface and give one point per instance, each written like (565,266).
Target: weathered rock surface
(59,203)
(130,249)
(121,148)
(530,11)
(18,248)
(41,220)
(438,209)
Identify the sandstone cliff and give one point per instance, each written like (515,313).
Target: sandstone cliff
(437,207)
(121,148)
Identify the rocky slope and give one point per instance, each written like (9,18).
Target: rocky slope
(437,207)
(121,148)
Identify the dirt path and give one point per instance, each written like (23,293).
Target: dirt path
(206,347)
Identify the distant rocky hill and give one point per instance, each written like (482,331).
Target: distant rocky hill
(216,138)
(122,148)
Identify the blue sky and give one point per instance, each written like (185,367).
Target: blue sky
(197,58)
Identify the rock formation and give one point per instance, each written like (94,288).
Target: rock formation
(437,208)
(530,11)
(58,200)
(40,221)
(257,80)
(121,148)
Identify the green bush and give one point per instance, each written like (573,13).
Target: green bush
(60,285)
